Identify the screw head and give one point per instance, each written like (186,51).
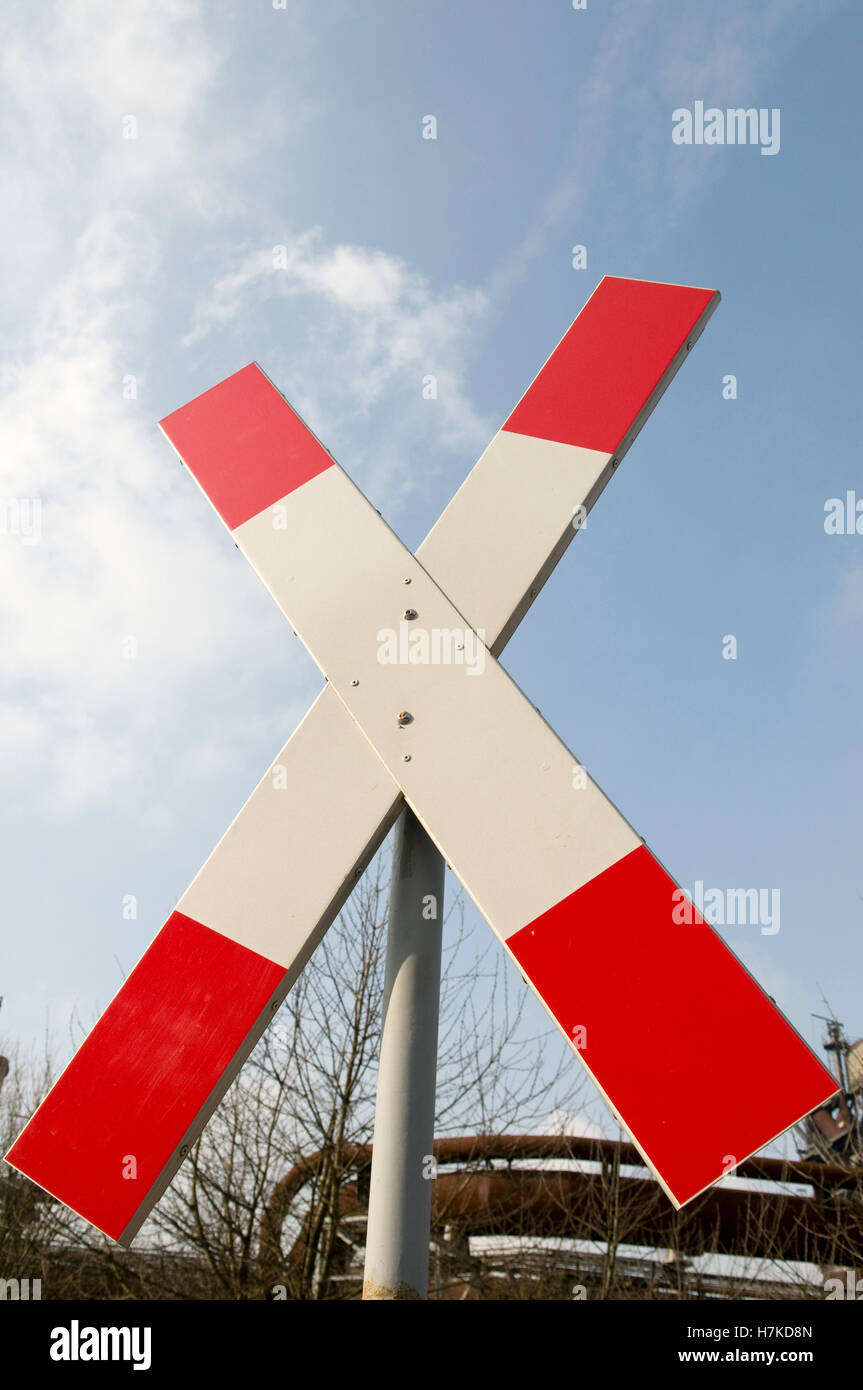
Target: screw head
(404,717)
(409,614)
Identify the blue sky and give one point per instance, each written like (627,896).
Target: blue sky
(139,272)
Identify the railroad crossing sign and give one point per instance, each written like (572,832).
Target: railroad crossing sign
(417,709)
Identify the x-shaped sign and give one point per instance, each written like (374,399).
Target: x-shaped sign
(671,1027)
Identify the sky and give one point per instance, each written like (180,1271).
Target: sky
(157,158)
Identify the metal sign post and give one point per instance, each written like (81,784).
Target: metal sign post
(397,1237)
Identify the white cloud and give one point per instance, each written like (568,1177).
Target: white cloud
(569,1125)
(127,549)
(124,548)
(378,327)
(646,64)
(72,72)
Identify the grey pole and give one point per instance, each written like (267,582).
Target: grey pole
(397,1240)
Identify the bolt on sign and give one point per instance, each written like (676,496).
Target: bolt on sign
(664,1017)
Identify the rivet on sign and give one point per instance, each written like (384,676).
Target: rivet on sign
(406,581)
(184,1150)
(406,757)
(354,682)
(409,613)
(405,717)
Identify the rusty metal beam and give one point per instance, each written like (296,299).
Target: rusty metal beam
(540,1202)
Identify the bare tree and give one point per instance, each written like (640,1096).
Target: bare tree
(24,1208)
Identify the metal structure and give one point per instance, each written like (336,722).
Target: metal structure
(416,710)
(834,1132)
(498,1200)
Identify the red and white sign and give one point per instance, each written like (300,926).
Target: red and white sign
(668,1023)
